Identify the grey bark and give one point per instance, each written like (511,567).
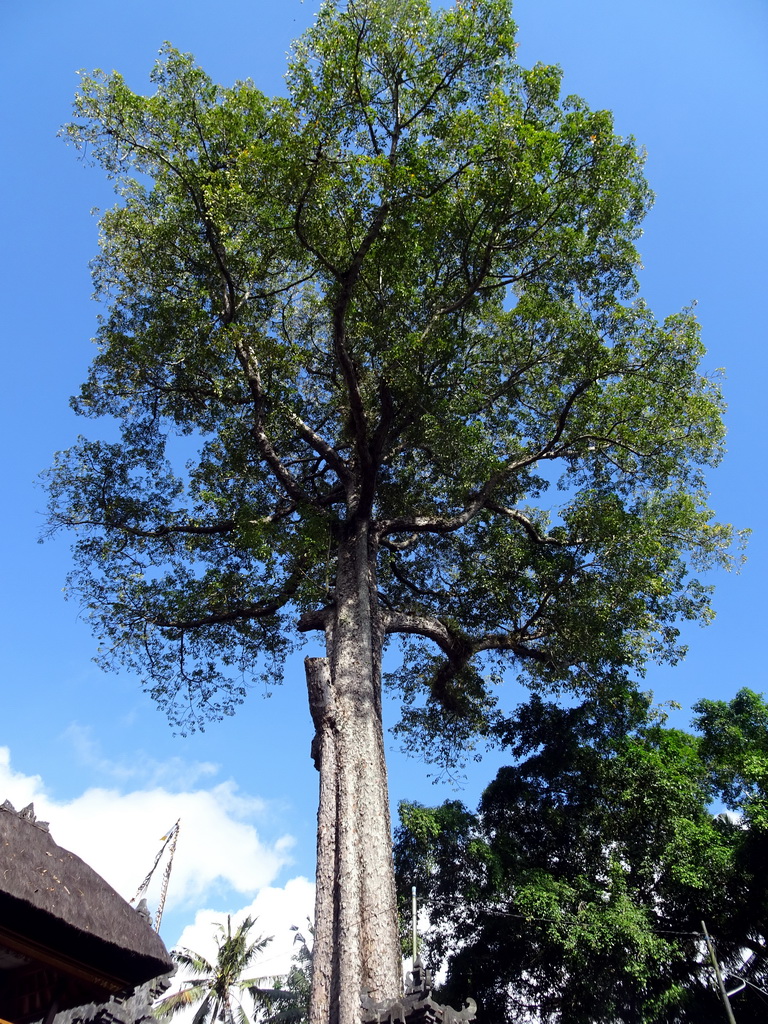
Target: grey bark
(356,947)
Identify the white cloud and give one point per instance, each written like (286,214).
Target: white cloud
(19,789)
(140,767)
(119,834)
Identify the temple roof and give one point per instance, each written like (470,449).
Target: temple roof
(65,934)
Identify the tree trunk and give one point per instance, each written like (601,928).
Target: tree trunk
(356,948)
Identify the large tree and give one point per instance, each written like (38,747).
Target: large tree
(576,892)
(353,338)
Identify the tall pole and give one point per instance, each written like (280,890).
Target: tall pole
(413,922)
(719,976)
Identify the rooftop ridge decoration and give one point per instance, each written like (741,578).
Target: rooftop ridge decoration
(26,814)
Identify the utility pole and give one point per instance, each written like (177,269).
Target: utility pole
(719,976)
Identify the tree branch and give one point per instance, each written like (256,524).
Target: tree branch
(242,614)
(399,545)
(481,499)
(299,228)
(527,525)
(321,446)
(316,618)
(421,625)
(225,526)
(290,484)
(459,647)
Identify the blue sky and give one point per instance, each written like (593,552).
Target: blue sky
(687,78)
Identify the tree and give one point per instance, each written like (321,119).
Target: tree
(734,747)
(576,892)
(351,338)
(216,989)
(289,1004)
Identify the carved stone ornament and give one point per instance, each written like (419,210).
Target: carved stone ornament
(133,1008)
(416,1006)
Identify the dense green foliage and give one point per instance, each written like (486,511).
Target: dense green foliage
(405,295)
(577,891)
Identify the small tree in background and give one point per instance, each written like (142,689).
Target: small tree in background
(392,318)
(289,1002)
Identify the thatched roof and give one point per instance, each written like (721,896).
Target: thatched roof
(64,932)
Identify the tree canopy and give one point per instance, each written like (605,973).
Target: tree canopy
(576,892)
(405,291)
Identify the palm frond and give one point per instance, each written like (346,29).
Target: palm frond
(172,1004)
(262,994)
(241,1016)
(192,961)
(202,1011)
(266,982)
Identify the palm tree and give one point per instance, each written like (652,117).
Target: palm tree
(216,987)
